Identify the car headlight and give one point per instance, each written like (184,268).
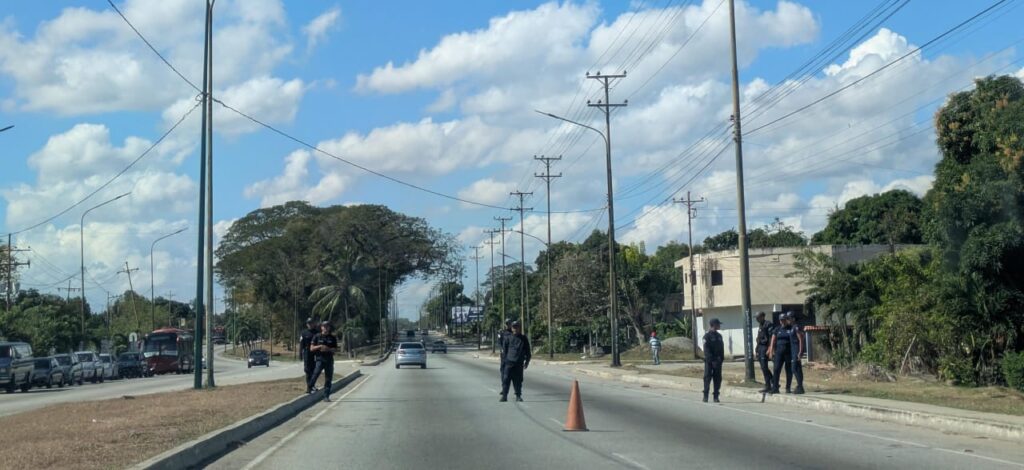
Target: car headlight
(4,370)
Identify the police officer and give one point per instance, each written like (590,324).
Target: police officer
(308,361)
(798,352)
(515,352)
(323,346)
(786,347)
(764,338)
(714,356)
(502,336)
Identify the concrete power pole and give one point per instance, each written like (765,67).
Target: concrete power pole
(476,257)
(547,176)
(613,297)
(740,203)
(524,310)
(503,220)
(490,242)
(691,212)
(11,265)
(131,287)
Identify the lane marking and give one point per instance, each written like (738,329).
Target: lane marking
(559,423)
(274,448)
(630,461)
(837,429)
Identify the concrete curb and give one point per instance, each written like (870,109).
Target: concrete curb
(378,361)
(195,453)
(955,424)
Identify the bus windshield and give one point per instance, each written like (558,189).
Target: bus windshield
(161,345)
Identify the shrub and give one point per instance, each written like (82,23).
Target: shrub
(1013,370)
(874,353)
(959,370)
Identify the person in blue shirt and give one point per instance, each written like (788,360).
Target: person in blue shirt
(655,347)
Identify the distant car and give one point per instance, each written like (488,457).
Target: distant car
(129,365)
(109,367)
(16,364)
(411,354)
(47,373)
(259,357)
(71,367)
(438,346)
(410,333)
(91,368)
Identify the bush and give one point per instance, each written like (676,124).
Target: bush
(1013,370)
(875,354)
(959,370)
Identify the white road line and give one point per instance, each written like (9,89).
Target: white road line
(847,431)
(274,448)
(630,461)
(559,423)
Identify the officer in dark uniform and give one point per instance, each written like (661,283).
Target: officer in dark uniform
(308,361)
(714,356)
(515,353)
(323,346)
(502,336)
(764,338)
(798,352)
(785,348)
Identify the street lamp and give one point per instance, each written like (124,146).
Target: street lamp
(612,294)
(152,297)
(81,242)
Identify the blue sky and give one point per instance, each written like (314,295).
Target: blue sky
(441,94)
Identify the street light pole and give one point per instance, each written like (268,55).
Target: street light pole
(612,291)
(152,284)
(81,246)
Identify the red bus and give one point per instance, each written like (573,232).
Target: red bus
(168,350)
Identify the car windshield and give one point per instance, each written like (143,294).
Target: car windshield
(84,357)
(42,363)
(63,360)
(161,345)
(105,359)
(5,351)
(128,357)
(411,346)
(258,352)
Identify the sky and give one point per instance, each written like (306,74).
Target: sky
(441,96)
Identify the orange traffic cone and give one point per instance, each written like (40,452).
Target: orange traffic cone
(574,420)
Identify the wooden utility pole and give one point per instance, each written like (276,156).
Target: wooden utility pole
(690,277)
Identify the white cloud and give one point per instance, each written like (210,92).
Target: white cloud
(316,30)
(268,99)
(487,191)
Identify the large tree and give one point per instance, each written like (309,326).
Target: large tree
(892,217)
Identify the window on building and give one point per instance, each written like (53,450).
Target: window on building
(716,277)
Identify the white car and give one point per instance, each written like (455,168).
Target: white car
(411,354)
(108,367)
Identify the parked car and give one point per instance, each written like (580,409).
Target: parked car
(411,354)
(108,366)
(91,368)
(439,346)
(129,365)
(47,373)
(16,364)
(72,369)
(259,357)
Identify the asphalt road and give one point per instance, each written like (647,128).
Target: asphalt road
(448,416)
(228,371)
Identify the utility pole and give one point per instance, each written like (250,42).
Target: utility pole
(68,289)
(170,306)
(152,282)
(691,212)
(503,220)
(204,232)
(547,176)
(740,203)
(524,310)
(613,297)
(11,266)
(490,243)
(476,257)
(131,288)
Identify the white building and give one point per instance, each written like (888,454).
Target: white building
(716,279)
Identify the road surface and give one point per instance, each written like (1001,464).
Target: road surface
(229,371)
(448,416)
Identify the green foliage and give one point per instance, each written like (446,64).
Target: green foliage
(774,235)
(958,370)
(892,217)
(1013,370)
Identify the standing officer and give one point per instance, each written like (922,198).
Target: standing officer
(798,352)
(714,356)
(308,362)
(515,351)
(502,336)
(764,338)
(783,349)
(324,345)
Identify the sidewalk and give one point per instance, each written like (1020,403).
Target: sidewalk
(916,414)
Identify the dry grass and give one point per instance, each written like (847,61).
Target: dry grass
(856,383)
(120,432)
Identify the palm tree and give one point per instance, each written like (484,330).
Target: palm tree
(344,290)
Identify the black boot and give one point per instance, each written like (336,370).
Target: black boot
(503,398)
(705,398)
(716,399)
(799,390)
(519,398)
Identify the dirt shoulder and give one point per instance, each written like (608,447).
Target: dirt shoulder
(858,382)
(120,432)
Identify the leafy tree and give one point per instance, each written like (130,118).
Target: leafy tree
(892,217)
(774,235)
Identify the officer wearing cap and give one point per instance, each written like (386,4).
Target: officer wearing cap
(323,346)
(714,356)
(516,356)
(305,339)
(502,336)
(764,338)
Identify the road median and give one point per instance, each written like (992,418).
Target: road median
(914,414)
